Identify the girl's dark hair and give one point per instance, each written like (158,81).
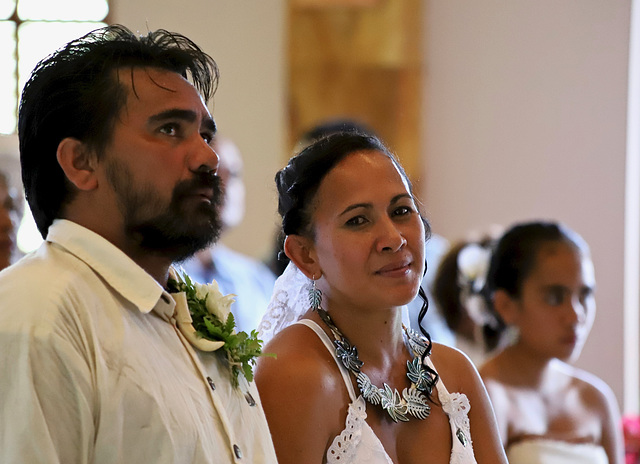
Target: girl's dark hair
(299,181)
(514,258)
(446,288)
(75,92)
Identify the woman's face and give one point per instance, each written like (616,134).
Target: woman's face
(368,235)
(557,305)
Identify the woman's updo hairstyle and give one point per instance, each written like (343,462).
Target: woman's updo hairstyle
(299,181)
(514,258)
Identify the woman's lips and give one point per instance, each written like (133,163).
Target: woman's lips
(398,268)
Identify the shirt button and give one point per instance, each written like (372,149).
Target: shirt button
(237,451)
(211,384)
(249,398)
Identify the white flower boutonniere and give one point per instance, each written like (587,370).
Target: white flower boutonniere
(204,317)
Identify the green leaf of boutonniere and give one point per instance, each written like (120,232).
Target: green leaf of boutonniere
(212,320)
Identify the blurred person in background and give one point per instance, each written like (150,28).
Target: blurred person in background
(541,283)
(10,213)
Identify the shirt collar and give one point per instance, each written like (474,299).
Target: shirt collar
(110,263)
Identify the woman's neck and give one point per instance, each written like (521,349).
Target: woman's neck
(377,334)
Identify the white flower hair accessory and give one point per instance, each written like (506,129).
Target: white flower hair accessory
(473,265)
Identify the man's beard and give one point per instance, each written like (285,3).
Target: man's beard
(170,230)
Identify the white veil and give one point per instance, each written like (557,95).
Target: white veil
(289,301)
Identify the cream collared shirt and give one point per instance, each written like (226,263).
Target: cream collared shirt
(93,369)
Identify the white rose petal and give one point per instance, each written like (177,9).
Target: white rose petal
(220,306)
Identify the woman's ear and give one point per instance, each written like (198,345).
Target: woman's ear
(78,163)
(506,306)
(301,252)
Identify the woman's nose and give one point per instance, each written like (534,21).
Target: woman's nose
(391,238)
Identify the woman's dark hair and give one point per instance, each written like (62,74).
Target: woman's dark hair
(514,258)
(75,92)
(299,181)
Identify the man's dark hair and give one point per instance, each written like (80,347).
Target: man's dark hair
(75,92)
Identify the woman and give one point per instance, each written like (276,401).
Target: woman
(356,239)
(541,282)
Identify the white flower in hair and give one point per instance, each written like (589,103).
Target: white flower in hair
(473,264)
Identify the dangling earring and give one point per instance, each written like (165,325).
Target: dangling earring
(315,295)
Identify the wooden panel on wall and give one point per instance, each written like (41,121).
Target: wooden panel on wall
(361,62)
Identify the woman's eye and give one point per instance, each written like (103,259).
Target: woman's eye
(402,211)
(356,221)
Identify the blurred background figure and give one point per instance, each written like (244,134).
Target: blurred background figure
(541,282)
(457,288)
(249,279)
(457,291)
(10,213)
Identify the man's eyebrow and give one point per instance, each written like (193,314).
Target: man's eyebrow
(186,115)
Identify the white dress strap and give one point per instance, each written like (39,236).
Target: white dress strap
(329,345)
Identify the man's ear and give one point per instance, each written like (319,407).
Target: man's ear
(78,163)
(301,252)
(506,306)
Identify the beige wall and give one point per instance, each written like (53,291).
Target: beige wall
(526,118)
(246,38)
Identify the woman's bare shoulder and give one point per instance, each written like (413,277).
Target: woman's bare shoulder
(303,395)
(299,369)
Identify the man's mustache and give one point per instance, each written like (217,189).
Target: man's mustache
(200,180)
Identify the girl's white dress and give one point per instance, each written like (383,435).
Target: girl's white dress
(545,451)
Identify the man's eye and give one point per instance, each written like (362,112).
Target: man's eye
(207,137)
(170,129)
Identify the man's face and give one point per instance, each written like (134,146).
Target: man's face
(161,168)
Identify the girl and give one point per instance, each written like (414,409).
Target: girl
(541,282)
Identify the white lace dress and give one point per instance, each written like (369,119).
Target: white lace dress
(357,444)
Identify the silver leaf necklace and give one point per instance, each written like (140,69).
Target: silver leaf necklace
(412,401)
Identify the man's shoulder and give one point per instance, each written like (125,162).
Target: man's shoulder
(46,278)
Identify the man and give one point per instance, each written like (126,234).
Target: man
(120,176)
(250,280)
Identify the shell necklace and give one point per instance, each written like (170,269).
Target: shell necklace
(413,401)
